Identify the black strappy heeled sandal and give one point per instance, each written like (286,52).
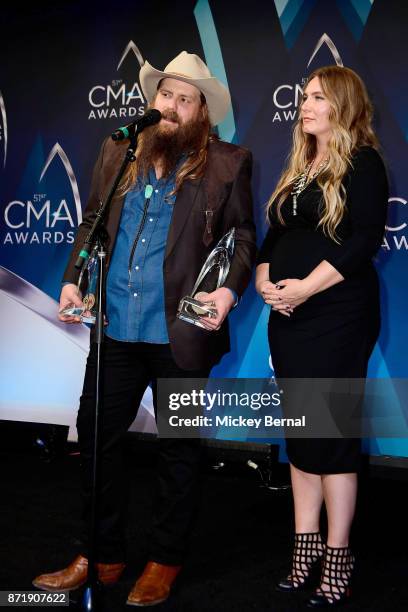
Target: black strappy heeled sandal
(307,557)
(337,572)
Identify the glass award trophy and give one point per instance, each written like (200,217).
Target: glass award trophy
(212,276)
(89,278)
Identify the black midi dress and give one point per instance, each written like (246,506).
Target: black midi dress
(333,333)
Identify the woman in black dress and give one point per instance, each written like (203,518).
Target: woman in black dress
(327,219)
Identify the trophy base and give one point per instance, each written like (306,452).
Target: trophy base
(191,310)
(86,316)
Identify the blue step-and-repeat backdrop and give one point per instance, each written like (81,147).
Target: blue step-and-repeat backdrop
(69,76)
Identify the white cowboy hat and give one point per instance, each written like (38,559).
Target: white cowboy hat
(189,68)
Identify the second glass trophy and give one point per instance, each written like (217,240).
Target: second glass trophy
(88,277)
(212,276)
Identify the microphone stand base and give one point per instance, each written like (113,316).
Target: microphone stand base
(91,597)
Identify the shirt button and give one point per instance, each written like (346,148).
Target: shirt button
(156,191)
(136,267)
(135,295)
(150,219)
(143,239)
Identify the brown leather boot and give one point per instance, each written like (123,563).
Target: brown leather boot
(154,584)
(75,575)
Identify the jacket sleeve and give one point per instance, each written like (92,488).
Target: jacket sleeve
(71,274)
(367,199)
(239,214)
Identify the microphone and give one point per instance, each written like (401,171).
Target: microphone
(151,117)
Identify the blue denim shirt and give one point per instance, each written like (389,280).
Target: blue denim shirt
(135,295)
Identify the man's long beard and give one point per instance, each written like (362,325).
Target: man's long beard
(165,146)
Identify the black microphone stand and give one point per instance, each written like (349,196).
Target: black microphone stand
(98,235)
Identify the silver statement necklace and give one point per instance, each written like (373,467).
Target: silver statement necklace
(303,180)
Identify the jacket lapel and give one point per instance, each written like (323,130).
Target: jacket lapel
(192,194)
(188,197)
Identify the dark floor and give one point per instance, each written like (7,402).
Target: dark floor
(241,545)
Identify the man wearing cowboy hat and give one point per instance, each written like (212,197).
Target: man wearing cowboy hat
(185,190)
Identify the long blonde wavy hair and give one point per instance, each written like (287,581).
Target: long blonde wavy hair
(194,165)
(350,117)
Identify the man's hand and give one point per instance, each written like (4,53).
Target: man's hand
(223,302)
(70,294)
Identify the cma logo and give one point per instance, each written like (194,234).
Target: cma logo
(116,99)
(3,128)
(104,96)
(42,212)
(399,241)
(286,98)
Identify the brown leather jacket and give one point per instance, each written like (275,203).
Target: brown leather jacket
(225,191)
